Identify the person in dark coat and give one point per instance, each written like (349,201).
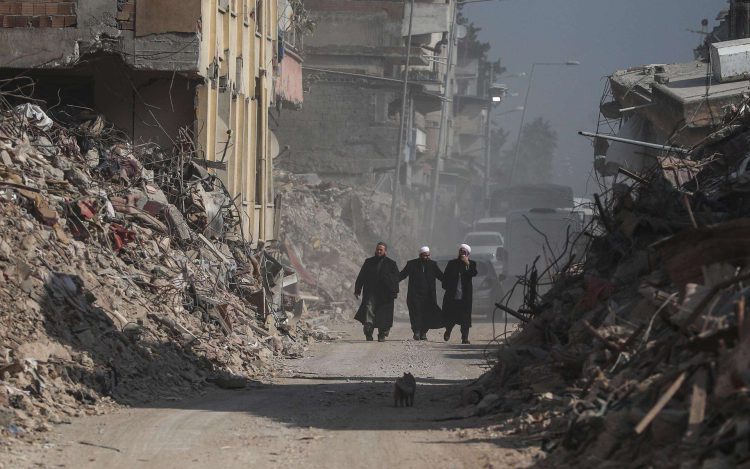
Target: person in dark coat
(424,312)
(458,293)
(377,282)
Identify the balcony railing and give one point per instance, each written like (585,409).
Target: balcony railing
(421,75)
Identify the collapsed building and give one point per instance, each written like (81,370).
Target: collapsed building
(113,295)
(637,356)
(198,73)
(138,205)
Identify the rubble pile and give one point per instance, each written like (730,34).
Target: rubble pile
(640,355)
(329,229)
(122,280)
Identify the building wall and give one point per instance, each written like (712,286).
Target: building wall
(95,26)
(24,14)
(208,64)
(240,43)
(348,126)
(343,128)
(347,30)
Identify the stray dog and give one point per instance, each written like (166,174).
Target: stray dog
(403,392)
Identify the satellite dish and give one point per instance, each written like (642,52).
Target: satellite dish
(461,31)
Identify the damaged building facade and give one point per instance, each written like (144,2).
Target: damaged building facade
(198,73)
(674,105)
(348,129)
(354,66)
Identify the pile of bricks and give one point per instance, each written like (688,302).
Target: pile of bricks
(126,14)
(37,14)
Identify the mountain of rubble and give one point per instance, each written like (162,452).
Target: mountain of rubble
(639,354)
(123,280)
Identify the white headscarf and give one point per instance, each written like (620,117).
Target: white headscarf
(465,247)
(424,249)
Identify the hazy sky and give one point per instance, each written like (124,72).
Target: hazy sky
(605,35)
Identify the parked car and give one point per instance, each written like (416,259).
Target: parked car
(486,287)
(487,244)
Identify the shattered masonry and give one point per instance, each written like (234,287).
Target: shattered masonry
(639,353)
(121,280)
(153,68)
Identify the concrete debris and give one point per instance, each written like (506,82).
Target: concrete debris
(639,354)
(123,280)
(328,230)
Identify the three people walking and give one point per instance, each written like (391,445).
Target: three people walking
(378,280)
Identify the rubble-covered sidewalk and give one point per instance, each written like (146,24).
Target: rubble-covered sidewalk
(123,280)
(640,355)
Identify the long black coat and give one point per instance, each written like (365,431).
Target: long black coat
(381,287)
(458,311)
(424,312)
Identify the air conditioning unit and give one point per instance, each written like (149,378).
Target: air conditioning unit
(730,60)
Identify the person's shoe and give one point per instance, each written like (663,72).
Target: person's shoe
(465,341)
(423,336)
(416,336)
(447,336)
(368,332)
(368,337)
(381,337)
(386,332)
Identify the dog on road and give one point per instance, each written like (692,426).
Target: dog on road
(403,392)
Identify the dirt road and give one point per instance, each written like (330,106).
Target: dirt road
(334,410)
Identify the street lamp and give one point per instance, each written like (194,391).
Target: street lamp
(497,92)
(525,107)
(442,139)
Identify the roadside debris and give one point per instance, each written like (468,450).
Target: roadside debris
(639,354)
(328,230)
(123,278)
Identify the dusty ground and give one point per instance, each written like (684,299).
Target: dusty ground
(333,410)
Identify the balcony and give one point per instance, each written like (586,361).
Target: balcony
(421,76)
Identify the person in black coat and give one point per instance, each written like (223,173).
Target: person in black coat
(377,282)
(458,293)
(424,312)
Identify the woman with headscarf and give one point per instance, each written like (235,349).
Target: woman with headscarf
(458,293)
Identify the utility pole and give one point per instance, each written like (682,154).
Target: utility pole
(488,137)
(443,132)
(526,106)
(400,150)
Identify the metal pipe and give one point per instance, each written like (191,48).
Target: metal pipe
(487,147)
(639,143)
(400,148)
(488,140)
(635,108)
